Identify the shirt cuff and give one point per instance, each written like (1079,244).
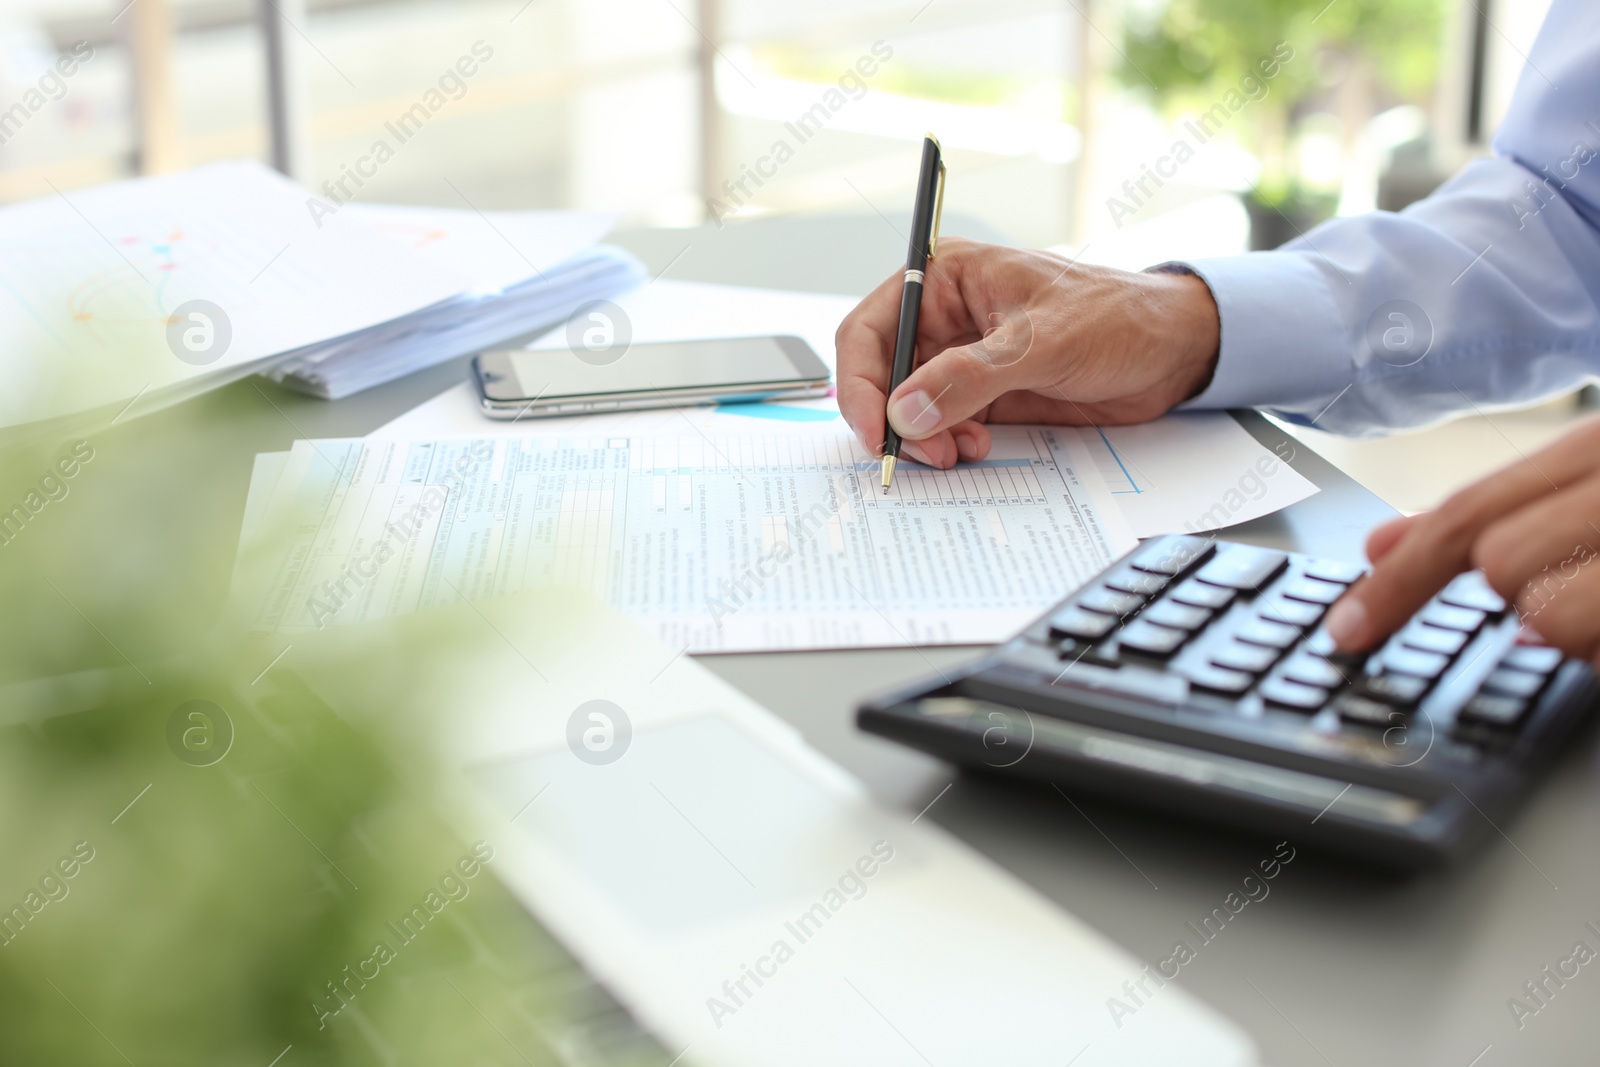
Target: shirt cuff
(1284,342)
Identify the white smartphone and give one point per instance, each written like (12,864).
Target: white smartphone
(539,383)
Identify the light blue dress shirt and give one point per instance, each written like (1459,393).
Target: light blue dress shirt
(1484,295)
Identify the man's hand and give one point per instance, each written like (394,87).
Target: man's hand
(1533,528)
(1008,335)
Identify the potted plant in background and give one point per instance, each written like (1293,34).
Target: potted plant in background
(1346,62)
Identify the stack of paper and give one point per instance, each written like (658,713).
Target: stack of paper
(529,271)
(135,295)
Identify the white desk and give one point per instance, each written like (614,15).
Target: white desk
(1360,969)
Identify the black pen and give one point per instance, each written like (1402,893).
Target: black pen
(924,236)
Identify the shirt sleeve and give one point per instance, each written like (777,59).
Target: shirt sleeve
(1486,294)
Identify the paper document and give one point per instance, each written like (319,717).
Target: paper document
(1193,472)
(495,249)
(100,288)
(524,271)
(1184,472)
(716,543)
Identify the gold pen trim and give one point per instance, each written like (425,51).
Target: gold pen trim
(888,472)
(938,208)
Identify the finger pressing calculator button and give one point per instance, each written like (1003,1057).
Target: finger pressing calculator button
(1266,632)
(1450,617)
(1237,657)
(1433,639)
(1512,683)
(1201,595)
(1110,602)
(1469,590)
(1313,591)
(1536,659)
(1075,622)
(1218,679)
(1243,567)
(1172,556)
(1321,644)
(1150,639)
(1410,661)
(1178,616)
(1333,570)
(1137,582)
(1293,694)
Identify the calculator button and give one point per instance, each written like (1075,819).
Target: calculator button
(1312,670)
(1513,683)
(1218,679)
(1293,612)
(1352,707)
(1237,657)
(1074,651)
(1075,622)
(1471,591)
(1313,591)
(1110,602)
(1320,644)
(1172,556)
(1201,595)
(1150,639)
(1137,582)
(1536,659)
(1433,639)
(1410,661)
(1178,616)
(1400,690)
(1243,567)
(1333,570)
(1450,617)
(1486,709)
(1266,632)
(1293,694)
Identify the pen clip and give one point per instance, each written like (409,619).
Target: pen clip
(938,210)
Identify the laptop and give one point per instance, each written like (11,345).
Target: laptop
(728,894)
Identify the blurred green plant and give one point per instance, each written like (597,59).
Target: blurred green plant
(159,908)
(201,857)
(1352,57)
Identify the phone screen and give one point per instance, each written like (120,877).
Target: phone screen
(558,372)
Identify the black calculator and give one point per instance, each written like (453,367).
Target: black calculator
(1193,675)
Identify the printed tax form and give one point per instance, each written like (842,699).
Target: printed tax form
(717,543)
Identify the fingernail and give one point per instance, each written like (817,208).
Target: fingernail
(914,414)
(1347,623)
(966,447)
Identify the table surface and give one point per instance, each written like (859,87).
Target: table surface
(1339,965)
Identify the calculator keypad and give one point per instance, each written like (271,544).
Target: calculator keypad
(1239,626)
